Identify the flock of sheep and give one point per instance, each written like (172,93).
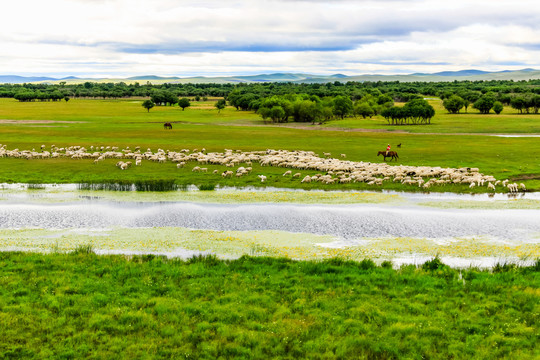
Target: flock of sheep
(331,170)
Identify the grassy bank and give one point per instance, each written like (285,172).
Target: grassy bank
(82,305)
(125,123)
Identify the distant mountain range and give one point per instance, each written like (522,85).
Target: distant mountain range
(473,75)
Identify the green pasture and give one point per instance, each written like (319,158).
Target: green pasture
(510,121)
(125,123)
(80,305)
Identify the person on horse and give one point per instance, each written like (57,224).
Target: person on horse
(387,149)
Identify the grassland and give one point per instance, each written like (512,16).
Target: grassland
(451,141)
(80,305)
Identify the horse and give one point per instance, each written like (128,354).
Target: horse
(391,155)
(167,126)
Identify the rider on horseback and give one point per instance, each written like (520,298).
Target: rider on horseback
(387,149)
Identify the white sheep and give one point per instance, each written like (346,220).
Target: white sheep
(262,177)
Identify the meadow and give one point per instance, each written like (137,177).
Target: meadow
(450,141)
(71,303)
(82,305)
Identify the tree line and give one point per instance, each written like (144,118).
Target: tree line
(503,90)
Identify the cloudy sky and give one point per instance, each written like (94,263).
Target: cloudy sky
(118,38)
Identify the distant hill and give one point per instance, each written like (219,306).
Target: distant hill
(14,79)
(150,77)
(471,74)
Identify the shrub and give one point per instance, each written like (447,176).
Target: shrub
(434,264)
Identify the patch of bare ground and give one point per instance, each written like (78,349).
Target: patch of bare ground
(328,128)
(7,121)
(525,177)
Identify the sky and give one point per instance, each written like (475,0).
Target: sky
(121,38)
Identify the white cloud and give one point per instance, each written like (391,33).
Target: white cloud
(170,37)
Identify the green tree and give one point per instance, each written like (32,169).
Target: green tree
(498,107)
(184,103)
(518,103)
(307,111)
(363,109)
(220,105)
(343,106)
(419,111)
(485,103)
(267,104)
(148,104)
(454,104)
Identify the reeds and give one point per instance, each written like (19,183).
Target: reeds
(140,185)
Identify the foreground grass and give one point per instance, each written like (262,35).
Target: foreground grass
(82,305)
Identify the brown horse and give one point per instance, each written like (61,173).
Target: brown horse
(167,126)
(391,155)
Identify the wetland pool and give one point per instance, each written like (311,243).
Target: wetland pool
(401,227)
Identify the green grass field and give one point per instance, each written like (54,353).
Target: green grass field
(80,305)
(508,122)
(125,123)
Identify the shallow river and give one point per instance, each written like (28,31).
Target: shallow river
(394,226)
(343,221)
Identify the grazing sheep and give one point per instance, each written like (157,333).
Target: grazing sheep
(262,177)
(215,171)
(522,186)
(343,156)
(472,185)
(491,186)
(367,172)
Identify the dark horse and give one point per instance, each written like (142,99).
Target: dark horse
(391,155)
(167,126)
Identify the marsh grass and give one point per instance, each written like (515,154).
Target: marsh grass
(126,185)
(82,305)
(35,186)
(207,187)
(83,250)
